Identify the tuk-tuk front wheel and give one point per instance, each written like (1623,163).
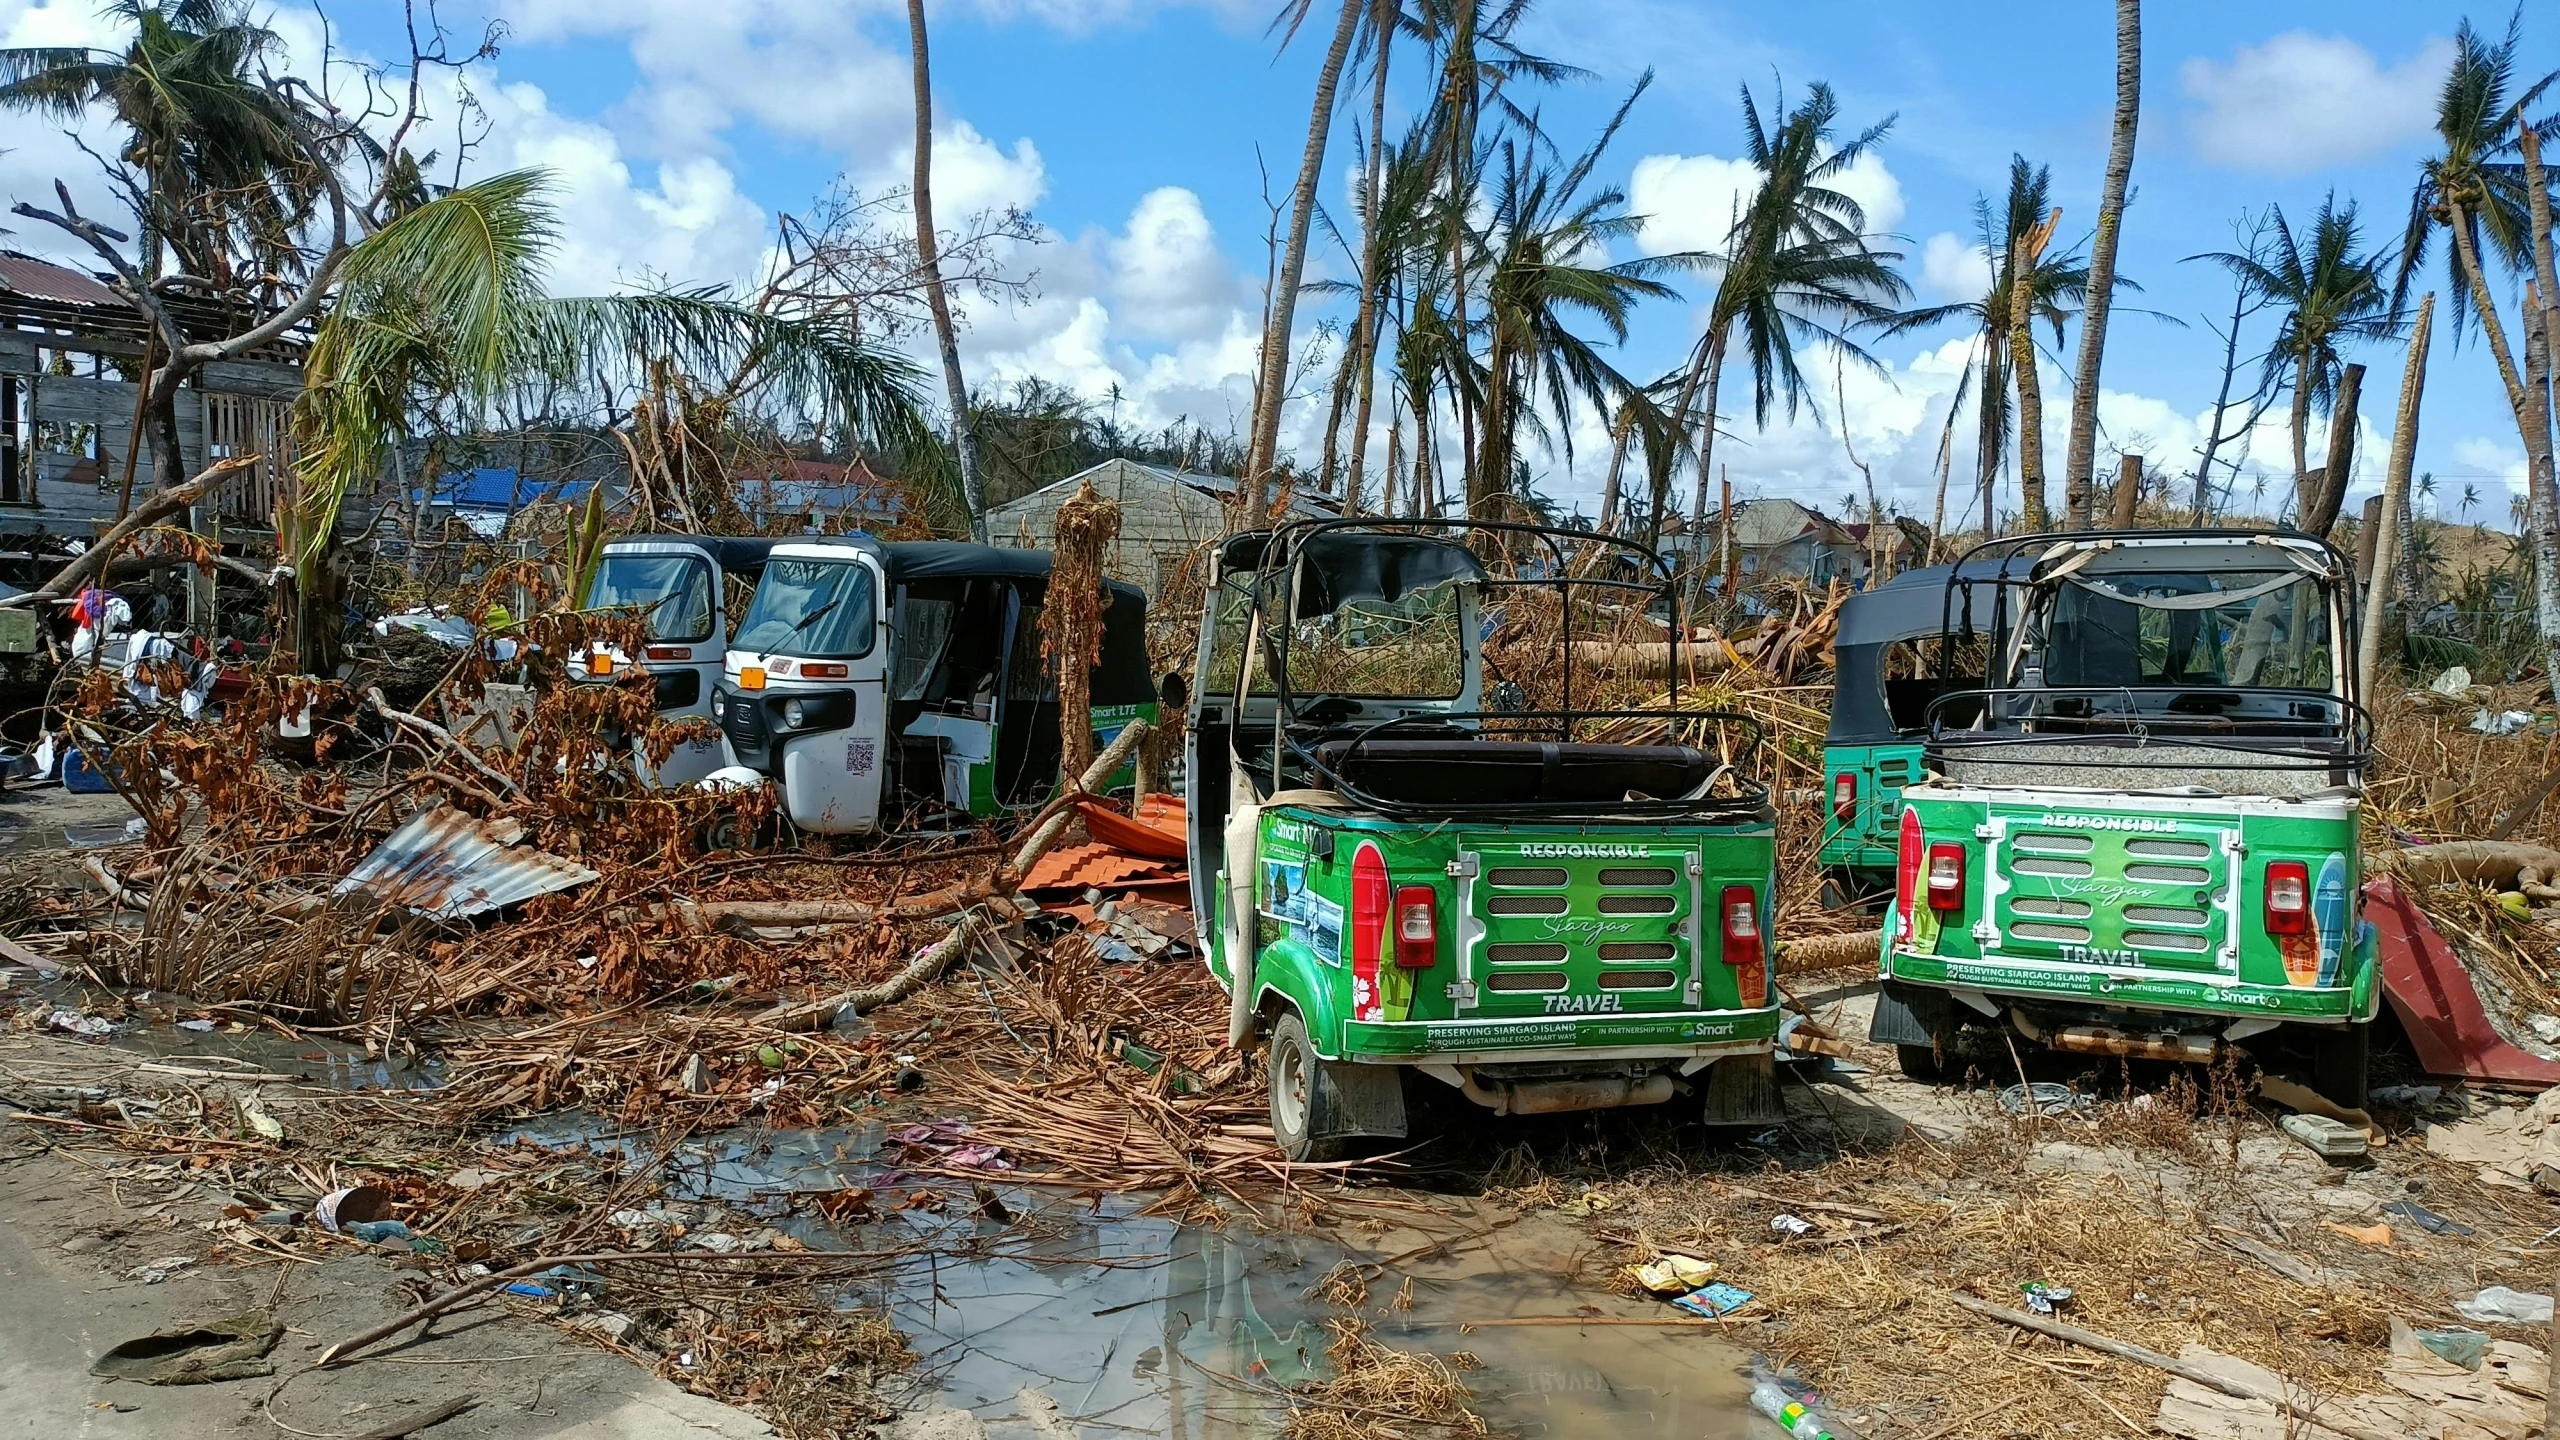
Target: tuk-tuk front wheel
(1301,1103)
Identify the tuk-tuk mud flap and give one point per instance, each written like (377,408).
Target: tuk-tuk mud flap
(1743,1090)
(1367,1099)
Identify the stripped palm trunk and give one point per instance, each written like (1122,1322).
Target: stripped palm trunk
(2080,458)
(2022,359)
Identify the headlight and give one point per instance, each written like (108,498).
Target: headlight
(719,704)
(792,715)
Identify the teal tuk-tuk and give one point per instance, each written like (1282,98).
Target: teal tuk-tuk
(1892,658)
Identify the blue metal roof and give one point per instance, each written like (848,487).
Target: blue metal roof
(502,488)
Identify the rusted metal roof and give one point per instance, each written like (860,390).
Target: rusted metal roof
(44,280)
(449,865)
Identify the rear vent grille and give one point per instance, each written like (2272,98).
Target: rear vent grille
(2051,909)
(1527,877)
(2168,874)
(1637,950)
(1530,980)
(1637,876)
(2067,869)
(2169,849)
(2046,842)
(1637,904)
(1525,905)
(1524,954)
(1637,979)
(2039,930)
(2163,915)
(2164,940)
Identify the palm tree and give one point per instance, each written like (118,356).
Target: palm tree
(2331,294)
(2470,499)
(1280,310)
(2482,189)
(964,443)
(2080,456)
(2056,283)
(1542,233)
(216,173)
(1796,264)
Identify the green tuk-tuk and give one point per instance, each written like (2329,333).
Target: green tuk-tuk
(2137,838)
(1889,663)
(1403,878)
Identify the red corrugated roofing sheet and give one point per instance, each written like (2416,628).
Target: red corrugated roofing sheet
(44,280)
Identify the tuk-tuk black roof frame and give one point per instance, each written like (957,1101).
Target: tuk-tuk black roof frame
(1980,743)
(1284,542)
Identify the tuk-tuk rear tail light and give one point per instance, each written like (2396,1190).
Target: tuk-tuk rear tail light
(1742,926)
(1844,796)
(1906,876)
(1946,876)
(824,670)
(599,663)
(2288,903)
(670,652)
(1744,951)
(1372,897)
(1417,927)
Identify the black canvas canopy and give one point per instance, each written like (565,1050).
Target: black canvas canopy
(1914,605)
(1340,566)
(734,554)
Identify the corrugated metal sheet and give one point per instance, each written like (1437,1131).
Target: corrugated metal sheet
(450,865)
(42,280)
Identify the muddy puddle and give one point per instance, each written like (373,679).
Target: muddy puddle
(167,1033)
(1135,1325)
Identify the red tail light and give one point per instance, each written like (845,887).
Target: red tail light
(1946,876)
(1417,928)
(1906,876)
(670,652)
(2288,907)
(1370,892)
(1743,949)
(1844,796)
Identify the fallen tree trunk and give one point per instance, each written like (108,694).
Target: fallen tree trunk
(2506,864)
(159,507)
(1828,952)
(728,914)
(1086,784)
(931,962)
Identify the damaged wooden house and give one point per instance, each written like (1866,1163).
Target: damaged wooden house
(71,350)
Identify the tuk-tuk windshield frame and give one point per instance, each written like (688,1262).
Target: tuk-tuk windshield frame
(806,606)
(696,585)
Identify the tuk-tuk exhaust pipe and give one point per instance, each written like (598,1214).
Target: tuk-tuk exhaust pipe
(2124,1044)
(1549,1097)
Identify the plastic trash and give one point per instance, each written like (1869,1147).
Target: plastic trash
(2424,1218)
(2329,1139)
(375,1231)
(2504,722)
(1790,1226)
(1772,1400)
(2466,1348)
(1714,1301)
(341,1208)
(2452,682)
(1674,1274)
(2044,1097)
(2499,1305)
(2046,1299)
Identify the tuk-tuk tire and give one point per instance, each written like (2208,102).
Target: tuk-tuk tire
(2340,1058)
(724,832)
(1920,1062)
(1299,1118)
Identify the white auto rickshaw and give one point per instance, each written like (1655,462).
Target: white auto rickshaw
(685,586)
(873,679)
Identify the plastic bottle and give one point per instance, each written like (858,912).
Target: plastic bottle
(1770,1399)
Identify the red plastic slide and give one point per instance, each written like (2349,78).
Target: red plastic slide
(2433,996)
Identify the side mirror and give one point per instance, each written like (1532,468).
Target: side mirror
(1174,691)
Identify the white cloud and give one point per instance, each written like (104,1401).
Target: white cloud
(691,226)
(1689,202)
(2303,102)
(1168,272)
(1953,268)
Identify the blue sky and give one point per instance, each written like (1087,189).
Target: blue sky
(1130,129)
